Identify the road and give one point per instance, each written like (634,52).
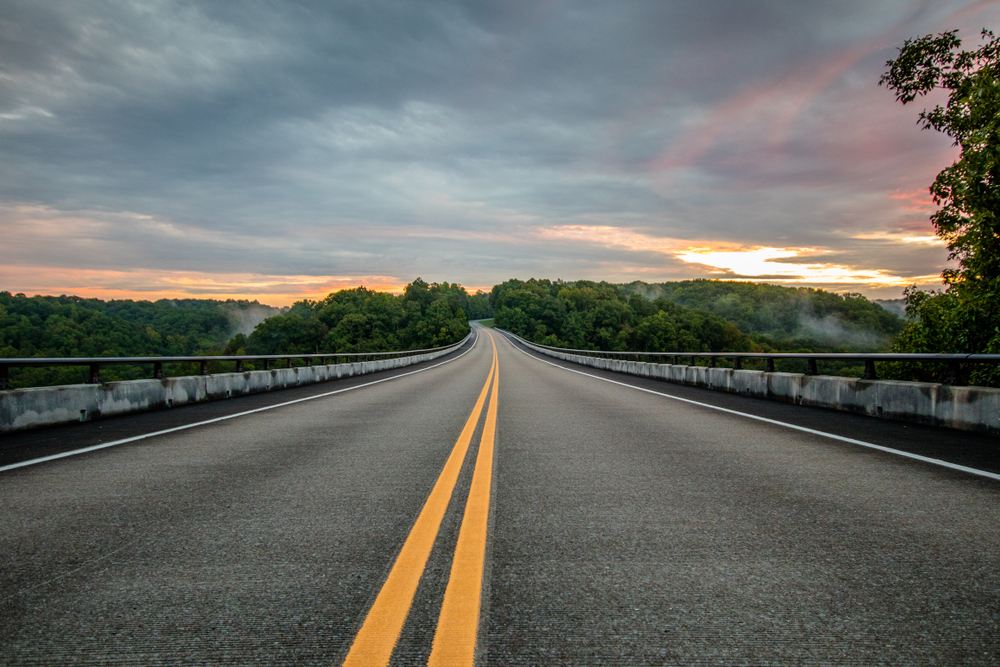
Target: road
(504,508)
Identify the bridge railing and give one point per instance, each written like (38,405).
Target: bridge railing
(953,362)
(269,361)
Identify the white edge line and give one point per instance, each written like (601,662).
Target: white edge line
(832,436)
(123,441)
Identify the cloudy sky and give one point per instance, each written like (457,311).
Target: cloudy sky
(279,150)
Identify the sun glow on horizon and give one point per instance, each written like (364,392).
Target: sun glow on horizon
(764,262)
(150,285)
(730,260)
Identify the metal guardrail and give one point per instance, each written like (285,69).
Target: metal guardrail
(95,363)
(953,376)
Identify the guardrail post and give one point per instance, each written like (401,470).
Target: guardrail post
(738,363)
(711,362)
(267,364)
(953,376)
(770,365)
(309,361)
(239,365)
(869,370)
(94,377)
(4,377)
(158,370)
(811,367)
(204,368)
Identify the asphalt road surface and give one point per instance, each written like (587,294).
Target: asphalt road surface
(503,509)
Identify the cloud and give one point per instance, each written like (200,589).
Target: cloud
(459,140)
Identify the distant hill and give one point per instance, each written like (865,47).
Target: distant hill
(71,326)
(786,317)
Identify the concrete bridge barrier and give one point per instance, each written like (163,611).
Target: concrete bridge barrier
(964,408)
(22,409)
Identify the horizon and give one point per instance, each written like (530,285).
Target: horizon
(396,292)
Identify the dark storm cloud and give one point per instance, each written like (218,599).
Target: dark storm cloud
(268,136)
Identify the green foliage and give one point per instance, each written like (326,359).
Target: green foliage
(967,191)
(478,306)
(361,320)
(696,316)
(965,316)
(601,316)
(69,326)
(955,320)
(786,318)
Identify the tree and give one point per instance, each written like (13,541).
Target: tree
(968,191)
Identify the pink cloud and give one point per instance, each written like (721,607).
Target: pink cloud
(772,108)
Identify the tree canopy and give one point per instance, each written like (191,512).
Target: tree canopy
(965,317)
(601,316)
(354,320)
(71,326)
(786,318)
(361,320)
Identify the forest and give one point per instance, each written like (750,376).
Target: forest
(70,326)
(682,316)
(361,320)
(784,318)
(354,320)
(695,316)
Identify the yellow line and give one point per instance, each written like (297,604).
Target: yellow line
(373,644)
(455,638)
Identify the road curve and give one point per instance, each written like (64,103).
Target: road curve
(605,525)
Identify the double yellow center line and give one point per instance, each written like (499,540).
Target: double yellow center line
(455,637)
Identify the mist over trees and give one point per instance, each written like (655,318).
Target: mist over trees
(786,317)
(602,316)
(71,326)
(695,316)
(355,320)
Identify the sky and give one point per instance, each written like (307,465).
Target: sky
(281,150)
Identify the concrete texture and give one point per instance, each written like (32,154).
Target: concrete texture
(964,408)
(22,409)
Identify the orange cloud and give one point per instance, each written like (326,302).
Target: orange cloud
(147,284)
(754,262)
(766,262)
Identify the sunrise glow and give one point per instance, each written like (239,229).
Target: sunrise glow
(151,285)
(766,264)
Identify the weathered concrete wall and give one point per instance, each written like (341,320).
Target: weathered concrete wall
(965,408)
(22,409)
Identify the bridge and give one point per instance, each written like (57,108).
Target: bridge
(499,506)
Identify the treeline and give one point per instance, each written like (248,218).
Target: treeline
(353,320)
(786,318)
(361,320)
(70,326)
(601,316)
(695,316)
